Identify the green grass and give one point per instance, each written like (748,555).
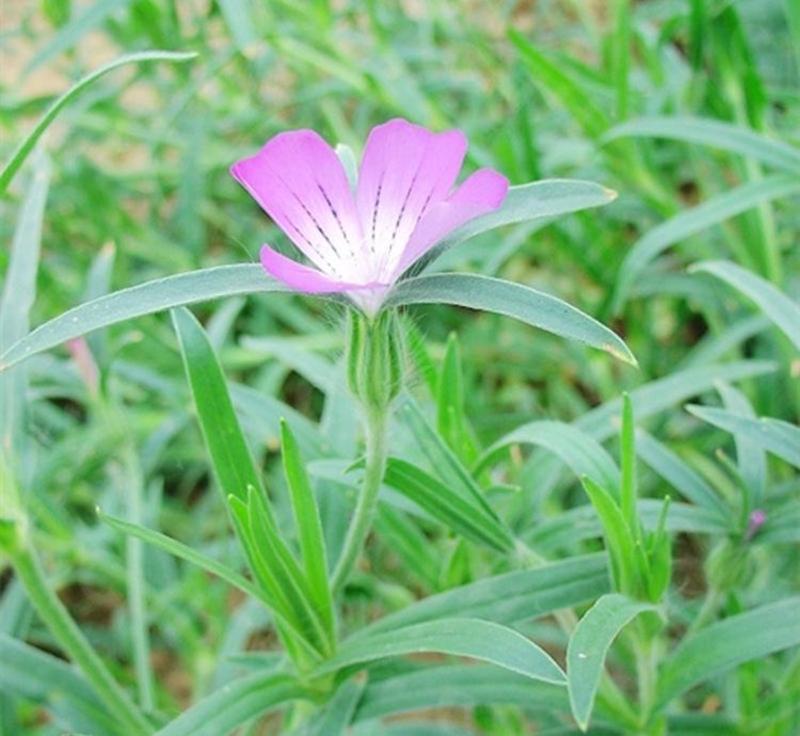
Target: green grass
(523,495)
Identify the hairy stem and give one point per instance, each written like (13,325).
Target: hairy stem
(376,425)
(71,638)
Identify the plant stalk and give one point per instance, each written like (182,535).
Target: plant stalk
(66,632)
(376,424)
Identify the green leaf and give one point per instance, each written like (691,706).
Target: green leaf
(728,643)
(446,465)
(26,145)
(679,474)
(589,645)
(461,637)
(511,597)
(285,578)
(16,300)
(184,552)
(457,685)
(234,705)
(725,136)
(627,488)
(619,537)
(533,201)
(230,456)
(32,674)
(309,528)
(778,437)
(581,452)
(136,301)
(512,300)
(750,457)
(690,222)
(550,75)
(783,311)
(451,509)
(336,715)
(451,419)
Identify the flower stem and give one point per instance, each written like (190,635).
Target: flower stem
(69,636)
(376,423)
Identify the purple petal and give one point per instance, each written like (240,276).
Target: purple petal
(299,277)
(480,193)
(405,170)
(301,184)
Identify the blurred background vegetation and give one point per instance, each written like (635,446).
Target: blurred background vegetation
(140,188)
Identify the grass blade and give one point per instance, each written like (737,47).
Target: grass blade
(713,133)
(711,212)
(26,145)
(783,311)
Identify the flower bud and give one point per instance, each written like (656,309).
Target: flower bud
(374,358)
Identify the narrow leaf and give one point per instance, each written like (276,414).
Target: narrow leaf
(26,145)
(234,705)
(230,456)
(589,645)
(783,311)
(448,507)
(137,301)
(689,222)
(713,133)
(462,637)
(728,643)
(309,528)
(512,300)
(776,436)
(184,552)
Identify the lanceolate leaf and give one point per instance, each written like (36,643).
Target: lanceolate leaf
(678,474)
(713,133)
(547,198)
(234,705)
(457,685)
(136,301)
(309,527)
(26,145)
(728,643)
(174,547)
(32,674)
(511,597)
(512,300)
(783,311)
(450,508)
(335,717)
(463,637)
(589,645)
(230,455)
(775,436)
(711,212)
(583,454)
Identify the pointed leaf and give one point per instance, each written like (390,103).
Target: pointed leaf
(512,300)
(462,637)
(588,646)
(137,301)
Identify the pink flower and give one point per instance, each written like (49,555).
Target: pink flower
(361,242)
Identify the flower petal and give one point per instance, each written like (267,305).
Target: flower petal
(404,171)
(301,184)
(299,277)
(482,192)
